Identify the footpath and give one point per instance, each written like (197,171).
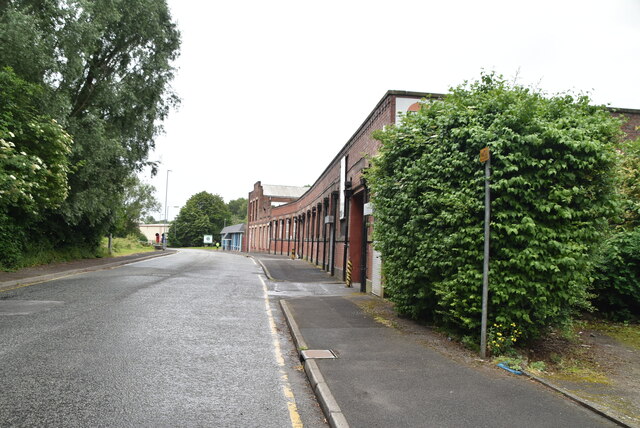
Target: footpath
(367,373)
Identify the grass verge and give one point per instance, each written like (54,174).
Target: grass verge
(124,247)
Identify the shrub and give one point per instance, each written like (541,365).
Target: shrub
(617,279)
(12,243)
(553,162)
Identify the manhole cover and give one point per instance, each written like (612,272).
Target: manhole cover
(317,354)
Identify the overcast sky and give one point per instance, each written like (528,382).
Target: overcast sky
(271,90)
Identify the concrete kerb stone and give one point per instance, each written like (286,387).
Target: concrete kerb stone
(298,340)
(329,405)
(8,285)
(313,373)
(264,268)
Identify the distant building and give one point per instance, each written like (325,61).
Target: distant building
(150,230)
(261,201)
(232,237)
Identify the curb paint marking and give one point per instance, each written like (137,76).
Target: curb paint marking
(296,422)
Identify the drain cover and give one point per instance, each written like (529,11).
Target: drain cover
(311,354)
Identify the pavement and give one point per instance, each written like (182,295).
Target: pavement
(365,373)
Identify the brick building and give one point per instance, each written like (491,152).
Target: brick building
(330,223)
(260,205)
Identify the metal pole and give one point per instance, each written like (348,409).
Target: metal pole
(485,267)
(166,211)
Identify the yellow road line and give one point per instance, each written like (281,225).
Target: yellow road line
(39,282)
(296,421)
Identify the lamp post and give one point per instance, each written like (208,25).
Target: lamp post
(166,211)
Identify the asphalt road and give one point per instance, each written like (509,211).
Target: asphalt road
(190,339)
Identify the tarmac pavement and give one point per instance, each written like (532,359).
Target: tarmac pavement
(383,378)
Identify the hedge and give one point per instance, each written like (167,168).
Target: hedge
(553,170)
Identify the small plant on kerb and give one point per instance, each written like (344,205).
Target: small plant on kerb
(537,366)
(514,363)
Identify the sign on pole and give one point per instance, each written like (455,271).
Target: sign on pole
(208,239)
(484,154)
(485,157)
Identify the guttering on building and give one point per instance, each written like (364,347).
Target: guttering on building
(330,223)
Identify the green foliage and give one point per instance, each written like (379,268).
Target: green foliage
(616,286)
(203,214)
(37,251)
(617,279)
(630,182)
(34,165)
(537,366)
(138,201)
(238,210)
(34,150)
(502,339)
(13,242)
(149,219)
(513,362)
(552,178)
(123,246)
(104,69)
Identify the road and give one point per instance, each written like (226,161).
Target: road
(191,339)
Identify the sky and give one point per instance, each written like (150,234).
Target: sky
(272,90)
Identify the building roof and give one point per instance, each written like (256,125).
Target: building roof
(236,228)
(283,191)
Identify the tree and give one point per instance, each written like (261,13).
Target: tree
(149,220)
(137,202)
(203,214)
(34,156)
(106,69)
(238,209)
(553,163)
(34,165)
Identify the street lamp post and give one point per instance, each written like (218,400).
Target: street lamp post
(166,211)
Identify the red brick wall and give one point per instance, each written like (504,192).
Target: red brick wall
(631,127)
(264,235)
(313,242)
